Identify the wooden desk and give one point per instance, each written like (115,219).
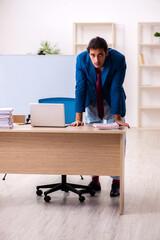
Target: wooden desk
(72,150)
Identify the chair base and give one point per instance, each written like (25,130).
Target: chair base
(66,187)
(4,178)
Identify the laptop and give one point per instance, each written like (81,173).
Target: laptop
(47,115)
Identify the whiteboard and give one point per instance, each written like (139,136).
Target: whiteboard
(25,79)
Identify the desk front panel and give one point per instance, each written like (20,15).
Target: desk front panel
(59,153)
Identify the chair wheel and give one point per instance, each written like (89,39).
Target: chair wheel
(39,192)
(92,193)
(81,199)
(47,198)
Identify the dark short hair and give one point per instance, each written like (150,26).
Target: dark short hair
(96,43)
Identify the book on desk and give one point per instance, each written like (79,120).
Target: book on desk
(6,120)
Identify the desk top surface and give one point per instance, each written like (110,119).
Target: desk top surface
(82,129)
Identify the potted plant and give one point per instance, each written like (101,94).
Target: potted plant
(157,35)
(46,48)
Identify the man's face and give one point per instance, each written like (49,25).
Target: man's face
(98,57)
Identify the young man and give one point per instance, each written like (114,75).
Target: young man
(100,73)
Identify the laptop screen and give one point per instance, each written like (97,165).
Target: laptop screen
(47,115)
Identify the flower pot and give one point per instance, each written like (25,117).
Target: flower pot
(158,40)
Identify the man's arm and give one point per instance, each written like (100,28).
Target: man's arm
(80,93)
(81,87)
(117,92)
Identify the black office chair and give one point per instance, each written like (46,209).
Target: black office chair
(69,104)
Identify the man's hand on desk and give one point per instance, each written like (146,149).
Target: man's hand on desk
(77,123)
(120,123)
(117,118)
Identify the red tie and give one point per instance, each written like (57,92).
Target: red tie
(100,107)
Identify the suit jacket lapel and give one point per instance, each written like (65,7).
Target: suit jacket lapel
(106,68)
(92,73)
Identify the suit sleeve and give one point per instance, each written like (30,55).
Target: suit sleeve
(80,90)
(117,94)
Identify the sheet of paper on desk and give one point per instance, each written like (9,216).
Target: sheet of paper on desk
(106,125)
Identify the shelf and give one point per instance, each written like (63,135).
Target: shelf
(150,87)
(81,44)
(86,44)
(154,45)
(149,128)
(94,23)
(148,48)
(149,66)
(149,23)
(148,52)
(83,32)
(150,108)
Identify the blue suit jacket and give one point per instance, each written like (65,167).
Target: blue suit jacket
(112,78)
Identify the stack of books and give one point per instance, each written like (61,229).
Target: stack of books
(6,120)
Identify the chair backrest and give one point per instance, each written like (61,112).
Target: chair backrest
(69,105)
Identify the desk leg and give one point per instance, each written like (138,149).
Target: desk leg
(122,147)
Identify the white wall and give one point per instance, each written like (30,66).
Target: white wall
(24,23)
(25,79)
